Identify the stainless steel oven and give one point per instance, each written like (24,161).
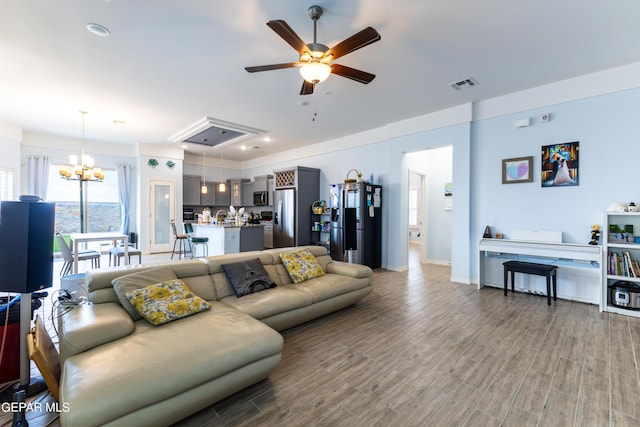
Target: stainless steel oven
(261,198)
(188,214)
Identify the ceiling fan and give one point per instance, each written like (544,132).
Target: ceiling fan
(315,58)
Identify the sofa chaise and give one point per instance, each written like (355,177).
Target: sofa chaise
(120,370)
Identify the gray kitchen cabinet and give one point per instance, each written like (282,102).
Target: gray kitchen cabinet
(191,190)
(247,194)
(223,198)
(209,199)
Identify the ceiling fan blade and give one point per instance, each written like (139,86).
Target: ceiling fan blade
(271,67)
(352,73)
(358,40)
(286,32)
(307,88)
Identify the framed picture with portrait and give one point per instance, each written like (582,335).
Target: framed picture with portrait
(560,165)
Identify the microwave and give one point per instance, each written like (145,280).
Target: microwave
(261,198)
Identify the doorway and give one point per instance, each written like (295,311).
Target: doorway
(430,197)
(162,211)
(417,217)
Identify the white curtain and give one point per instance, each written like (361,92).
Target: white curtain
(125,174)
(38,175)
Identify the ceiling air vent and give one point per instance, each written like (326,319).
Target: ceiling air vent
(214,133)
(464,84)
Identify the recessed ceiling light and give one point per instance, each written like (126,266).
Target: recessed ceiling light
(243,147)
(266,139)
(185,146)
(98,30)
(303,103)
(119,122)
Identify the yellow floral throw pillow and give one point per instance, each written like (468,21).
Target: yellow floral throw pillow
(167,301)
(301,265)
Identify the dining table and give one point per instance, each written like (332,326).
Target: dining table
(112,236)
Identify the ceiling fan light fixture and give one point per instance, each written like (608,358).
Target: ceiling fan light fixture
(315,71)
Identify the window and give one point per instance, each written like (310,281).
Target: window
(6,184)
(413,207)
(103,204)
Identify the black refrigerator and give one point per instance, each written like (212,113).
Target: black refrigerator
(356,223)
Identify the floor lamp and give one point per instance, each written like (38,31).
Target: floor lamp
(26,262)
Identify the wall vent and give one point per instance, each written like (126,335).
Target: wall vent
(207,131)
(463,84)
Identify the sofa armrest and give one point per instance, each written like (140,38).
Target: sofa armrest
(90,325)
(353,270)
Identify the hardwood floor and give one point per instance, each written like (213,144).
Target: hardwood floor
(423,351)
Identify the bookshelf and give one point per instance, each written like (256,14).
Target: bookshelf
(621,256)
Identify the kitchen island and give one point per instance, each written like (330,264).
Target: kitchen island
(228,239)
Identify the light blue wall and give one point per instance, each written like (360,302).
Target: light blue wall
(608,130)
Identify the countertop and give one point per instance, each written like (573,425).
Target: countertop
(230,225)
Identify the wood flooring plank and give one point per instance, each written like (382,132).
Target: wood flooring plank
(517,417)
(624,395)
(593,408)
(567,377)
(533,392)
(559,410)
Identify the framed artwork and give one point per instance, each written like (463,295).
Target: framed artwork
(448,196)
(560,165)
(517,170)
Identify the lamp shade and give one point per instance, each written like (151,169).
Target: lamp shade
(315,71)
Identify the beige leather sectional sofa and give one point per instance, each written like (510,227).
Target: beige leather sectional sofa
(118,371)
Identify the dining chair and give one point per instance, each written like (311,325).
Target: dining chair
(180,240)
(117,252)
(194,242)
(67,256)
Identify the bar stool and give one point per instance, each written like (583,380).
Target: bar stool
(180,240)
(194,242)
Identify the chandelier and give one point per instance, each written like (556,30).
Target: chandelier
(83,170)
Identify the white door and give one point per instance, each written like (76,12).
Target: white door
(162,211)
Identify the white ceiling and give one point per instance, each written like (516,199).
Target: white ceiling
(167,64)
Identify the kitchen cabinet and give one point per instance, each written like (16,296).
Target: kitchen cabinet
(621,281)
(236,191)
(247,194)
(261,182)
(191,190)
(209,199)
(223,198)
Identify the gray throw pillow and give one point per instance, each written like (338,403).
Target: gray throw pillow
(131,282)
(248,277)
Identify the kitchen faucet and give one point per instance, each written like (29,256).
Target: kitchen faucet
(224,214)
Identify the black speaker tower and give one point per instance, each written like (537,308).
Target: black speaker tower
(26,246)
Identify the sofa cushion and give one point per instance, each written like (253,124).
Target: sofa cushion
(301,265)
(131,282)
(331,285)
(248,277)
(270,302)
(167,301)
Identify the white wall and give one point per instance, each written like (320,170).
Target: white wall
(607,129)
(10,138)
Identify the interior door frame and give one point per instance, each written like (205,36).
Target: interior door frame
(422,212)
(161,247)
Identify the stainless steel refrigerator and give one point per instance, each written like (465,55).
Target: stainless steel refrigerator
(284,217)
(356,223)
(295,192)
